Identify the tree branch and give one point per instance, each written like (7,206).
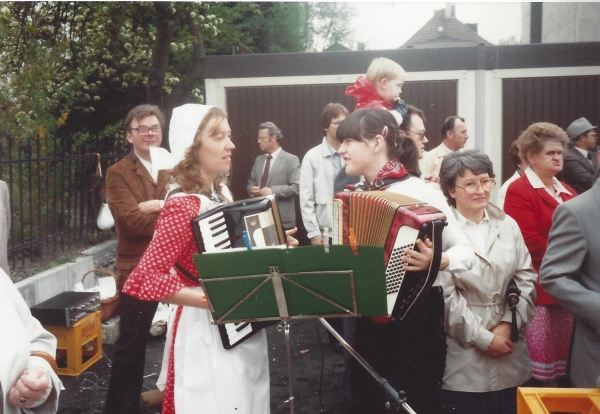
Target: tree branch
(177,96)
(160,53)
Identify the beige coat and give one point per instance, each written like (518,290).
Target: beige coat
(432,160)
(475,303)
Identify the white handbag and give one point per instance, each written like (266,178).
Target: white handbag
(105,220)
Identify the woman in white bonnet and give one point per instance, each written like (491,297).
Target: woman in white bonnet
(202,375)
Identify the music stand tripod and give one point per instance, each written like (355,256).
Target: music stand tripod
(395,401)
(300,283)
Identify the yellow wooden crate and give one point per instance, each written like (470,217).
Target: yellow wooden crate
(79,345)
(564,400)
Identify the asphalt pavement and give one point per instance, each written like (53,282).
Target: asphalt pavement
(317,374)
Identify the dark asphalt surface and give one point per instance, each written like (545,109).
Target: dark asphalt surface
(316,369)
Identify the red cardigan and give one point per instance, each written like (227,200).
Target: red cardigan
(532,209)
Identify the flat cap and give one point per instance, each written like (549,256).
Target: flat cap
(578,127)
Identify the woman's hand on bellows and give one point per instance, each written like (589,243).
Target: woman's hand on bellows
(290,240)
(31,387)
(418,260)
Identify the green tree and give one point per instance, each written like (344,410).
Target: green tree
(75,68)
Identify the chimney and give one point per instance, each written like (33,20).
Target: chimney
(449,10)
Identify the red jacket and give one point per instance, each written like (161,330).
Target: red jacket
(532,209)
(366,95)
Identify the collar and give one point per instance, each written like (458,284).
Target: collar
(445,148)
(463,221)
(326,148)
(391,172)
(537,183)
(274,154)
(583,152)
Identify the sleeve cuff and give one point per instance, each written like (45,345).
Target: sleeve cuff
(484,340)
(460,259)
(314,234)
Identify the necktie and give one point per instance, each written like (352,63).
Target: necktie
(265,176)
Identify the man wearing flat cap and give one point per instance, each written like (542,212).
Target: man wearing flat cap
(580,161)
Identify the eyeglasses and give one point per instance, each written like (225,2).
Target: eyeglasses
(421,135)
(487,184)
(143,129)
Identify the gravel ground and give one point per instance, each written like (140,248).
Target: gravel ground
(317,374)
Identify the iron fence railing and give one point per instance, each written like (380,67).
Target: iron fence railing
(53,198)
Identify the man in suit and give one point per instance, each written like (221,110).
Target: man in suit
(570,274)
(580,161)
(135,193)
(454,136)
(276,172)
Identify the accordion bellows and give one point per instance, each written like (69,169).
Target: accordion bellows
(395,222)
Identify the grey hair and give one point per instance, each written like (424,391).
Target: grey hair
(457,163)
(273,130)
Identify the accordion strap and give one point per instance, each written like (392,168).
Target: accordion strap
(380,184)
(186,273)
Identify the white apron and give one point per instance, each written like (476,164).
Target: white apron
(209,378)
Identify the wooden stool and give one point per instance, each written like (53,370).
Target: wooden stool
(564,400)
(71,341)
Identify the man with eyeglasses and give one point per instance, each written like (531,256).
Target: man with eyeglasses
(413,126)
(135,193)
(580,161)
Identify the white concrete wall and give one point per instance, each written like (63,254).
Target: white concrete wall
(43,286)
(564,22)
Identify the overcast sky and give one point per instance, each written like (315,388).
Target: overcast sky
(388,25)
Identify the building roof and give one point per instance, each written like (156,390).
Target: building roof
(442,31)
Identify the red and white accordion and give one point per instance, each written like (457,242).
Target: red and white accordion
(395,222)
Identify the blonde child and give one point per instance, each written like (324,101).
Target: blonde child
(381,88)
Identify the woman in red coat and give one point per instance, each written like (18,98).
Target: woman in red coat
(531,201)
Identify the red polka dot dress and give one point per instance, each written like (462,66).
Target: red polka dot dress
(202,376)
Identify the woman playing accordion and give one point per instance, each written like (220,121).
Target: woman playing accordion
(409,353)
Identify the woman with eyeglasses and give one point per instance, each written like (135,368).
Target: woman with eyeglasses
(202,375)
(484,366)
(531,201)
(409,353)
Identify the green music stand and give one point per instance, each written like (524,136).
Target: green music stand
(293,283)
(271,284)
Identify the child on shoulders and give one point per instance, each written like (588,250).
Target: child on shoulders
(381,88)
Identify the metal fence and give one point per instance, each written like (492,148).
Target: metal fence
(54,197)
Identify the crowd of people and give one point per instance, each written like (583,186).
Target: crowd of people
(467,344)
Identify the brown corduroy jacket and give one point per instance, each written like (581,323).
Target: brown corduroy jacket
(128,183)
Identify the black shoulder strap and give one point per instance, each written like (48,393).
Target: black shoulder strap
(185,272)
(381,184)
(173,192)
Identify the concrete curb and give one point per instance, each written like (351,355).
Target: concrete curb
(51,282)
